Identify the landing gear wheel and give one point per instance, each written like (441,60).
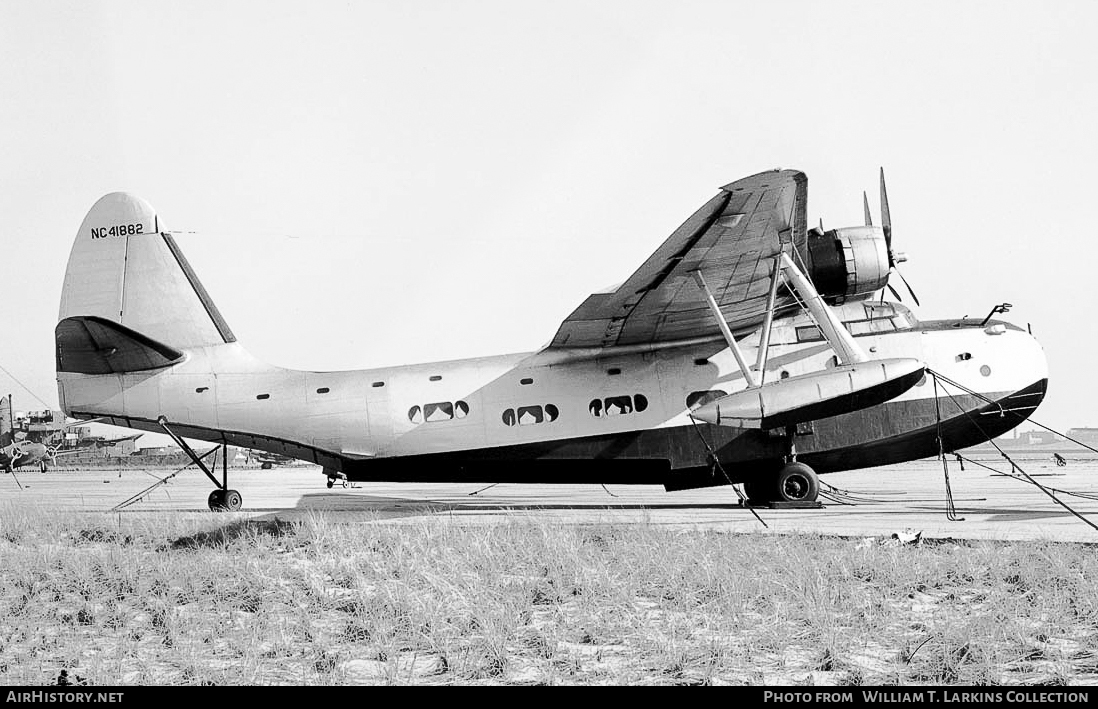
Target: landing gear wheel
(225,501)
(233,500)
(330,483)
(797,483)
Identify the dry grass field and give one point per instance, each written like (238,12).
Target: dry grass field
(198,598)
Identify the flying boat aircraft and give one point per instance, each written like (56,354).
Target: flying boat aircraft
(749,348)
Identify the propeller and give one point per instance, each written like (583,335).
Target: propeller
(894,257)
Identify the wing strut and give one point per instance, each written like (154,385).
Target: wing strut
(764,337)
(751,381)
(832,328)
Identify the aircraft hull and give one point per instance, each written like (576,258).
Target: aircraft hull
(678,458)
(744,453)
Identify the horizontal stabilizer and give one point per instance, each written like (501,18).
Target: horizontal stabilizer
(94,345)
(814,396)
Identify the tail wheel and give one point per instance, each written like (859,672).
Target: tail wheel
(797,483)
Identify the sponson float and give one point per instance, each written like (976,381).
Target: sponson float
(747,349)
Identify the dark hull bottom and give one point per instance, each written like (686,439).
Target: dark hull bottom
(679,457)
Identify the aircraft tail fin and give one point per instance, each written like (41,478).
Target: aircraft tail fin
(7,425)
(130,300)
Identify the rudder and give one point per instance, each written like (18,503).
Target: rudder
(124,270)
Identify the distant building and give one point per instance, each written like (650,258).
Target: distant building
(1036,438)
(124,447)
(1084,435)
(160,450)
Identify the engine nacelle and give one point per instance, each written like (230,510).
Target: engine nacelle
(848,262)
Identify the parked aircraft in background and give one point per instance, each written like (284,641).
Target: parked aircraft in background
(15,450)
(40,437)
(268,461)
(747,349)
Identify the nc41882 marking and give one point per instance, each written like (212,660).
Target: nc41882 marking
(117,230)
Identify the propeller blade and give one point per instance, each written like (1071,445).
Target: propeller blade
(886,218)
(895,294)
(909,289)
(865,202)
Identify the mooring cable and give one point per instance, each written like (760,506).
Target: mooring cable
(1083,495)
(27,388)
(1013,464)
(1004,412)
(160,481)
(951,507)
(715,462)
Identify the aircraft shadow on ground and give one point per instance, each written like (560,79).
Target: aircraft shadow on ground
(403,507)
(278,523)
(228,533)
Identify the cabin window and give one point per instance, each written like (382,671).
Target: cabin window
(784,374)
(809,333)
(323,390)
(263,396)
(701,362)
(528,415)
(700,398)
(436,378)
(964,356)
(375,385)
(199,390)
(833,361)
(614,371)
(617,405)
(864,327)
(438,411)
(525,381)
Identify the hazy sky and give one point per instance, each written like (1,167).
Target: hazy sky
(378,183)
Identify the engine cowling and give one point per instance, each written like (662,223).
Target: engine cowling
(848,262)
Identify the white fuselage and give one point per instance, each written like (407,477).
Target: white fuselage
(464,404)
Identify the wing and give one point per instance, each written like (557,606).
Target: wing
(732,240)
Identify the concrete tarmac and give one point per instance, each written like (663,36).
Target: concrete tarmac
(910,497)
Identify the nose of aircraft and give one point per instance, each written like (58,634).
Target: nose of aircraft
(1035,361)
(1024,371)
